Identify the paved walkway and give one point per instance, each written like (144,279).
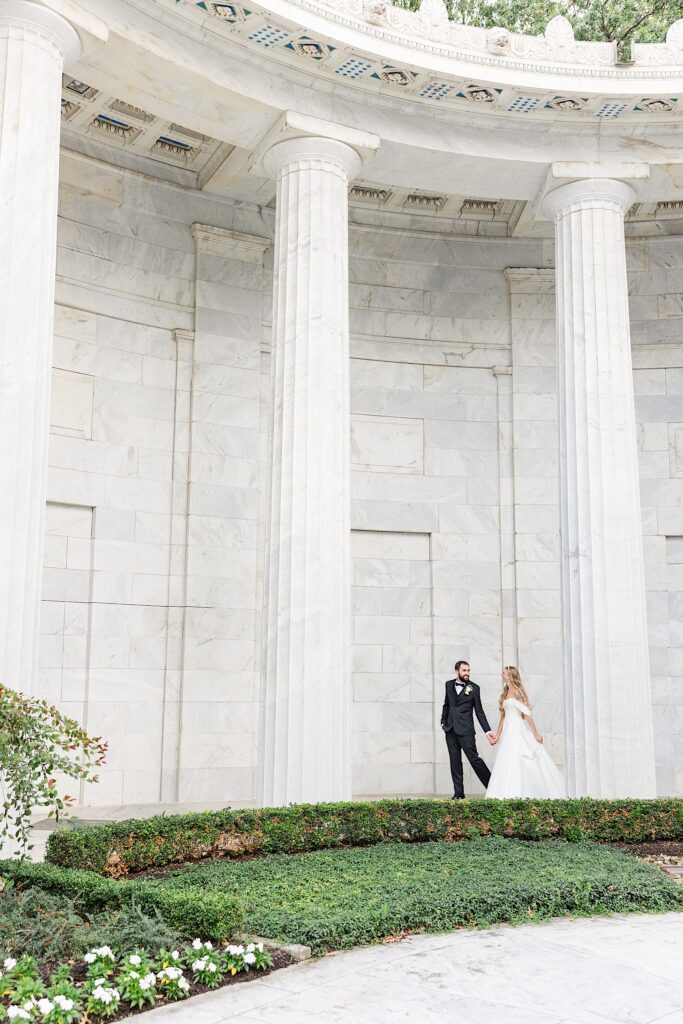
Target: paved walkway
(625,970)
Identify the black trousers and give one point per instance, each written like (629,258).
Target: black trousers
(456,746)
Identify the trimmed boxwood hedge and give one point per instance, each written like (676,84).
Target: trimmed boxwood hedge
(194,910)
(126,847)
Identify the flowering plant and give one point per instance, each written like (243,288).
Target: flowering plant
(103,1000)
(172,983)
(100,961)
(209,966)
(137,980)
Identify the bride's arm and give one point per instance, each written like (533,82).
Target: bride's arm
(499,729)
(532,725)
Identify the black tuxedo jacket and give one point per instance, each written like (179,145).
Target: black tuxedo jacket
(458,712)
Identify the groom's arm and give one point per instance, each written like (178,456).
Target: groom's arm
(444,710)
(479,712)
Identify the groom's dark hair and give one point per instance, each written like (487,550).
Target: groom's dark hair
(459,663)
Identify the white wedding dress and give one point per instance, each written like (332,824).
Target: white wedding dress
(522,767)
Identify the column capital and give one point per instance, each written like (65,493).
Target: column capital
(63,23)
(300,137)
(292,151)
(589,193)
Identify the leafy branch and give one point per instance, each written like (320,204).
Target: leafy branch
(37,745)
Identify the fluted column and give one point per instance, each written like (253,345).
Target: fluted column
(35,44)
(607,676)
(306,755)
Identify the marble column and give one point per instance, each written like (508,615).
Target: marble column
(607,677)
(35,44)
(306,745)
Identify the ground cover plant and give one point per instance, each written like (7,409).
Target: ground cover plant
(335,899)
(126,847)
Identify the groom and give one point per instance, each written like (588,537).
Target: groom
(462,699)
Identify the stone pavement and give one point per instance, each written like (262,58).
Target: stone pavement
(620,970)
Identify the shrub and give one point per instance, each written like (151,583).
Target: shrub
(125,847)
(37,743)
(194,911)
(52,927)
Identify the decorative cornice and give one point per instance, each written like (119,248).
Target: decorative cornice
(556,51)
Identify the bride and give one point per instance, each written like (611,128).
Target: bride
(522,768)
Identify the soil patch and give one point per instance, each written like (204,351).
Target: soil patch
(663,848)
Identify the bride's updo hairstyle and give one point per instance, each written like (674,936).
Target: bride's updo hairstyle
(516,682)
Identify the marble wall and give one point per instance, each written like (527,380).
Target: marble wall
(158,461)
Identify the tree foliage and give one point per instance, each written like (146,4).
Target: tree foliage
(37,744)
(620,21)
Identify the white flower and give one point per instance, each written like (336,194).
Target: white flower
(100,981)
(207,945)
(89,958)
(249,958)
(30,1004)
(211,968)
(10,963)
(184,984)
(105,995)
(135,960)
(175,955)
(133,974)
(198,965)
(172,973)
(16,1013)
(64,1003)
(259,946)
(147,982)
(238,950)
(104,951)
(196,943)
(45,1006)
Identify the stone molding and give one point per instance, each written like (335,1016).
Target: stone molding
(517,276)
(231,244)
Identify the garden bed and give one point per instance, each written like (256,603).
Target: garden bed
(329,876)
(61,965)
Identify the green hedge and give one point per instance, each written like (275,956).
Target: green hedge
(195,911)
(126,847)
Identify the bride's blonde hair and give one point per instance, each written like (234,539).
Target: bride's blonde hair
(517,684)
